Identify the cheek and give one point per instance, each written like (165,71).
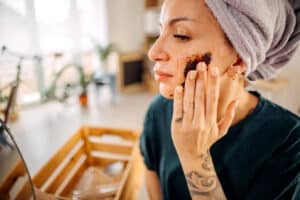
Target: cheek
(166,89)
(179,71)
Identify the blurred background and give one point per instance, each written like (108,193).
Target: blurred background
(68,63)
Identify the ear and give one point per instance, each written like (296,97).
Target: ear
(239,66)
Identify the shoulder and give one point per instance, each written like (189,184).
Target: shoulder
(281,128)
(150,139)
(280,117)
(275,126)
(276,118)
(157,118)
(159,102)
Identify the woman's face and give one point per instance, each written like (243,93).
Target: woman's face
(187,29)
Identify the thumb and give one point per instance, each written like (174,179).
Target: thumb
(227,119)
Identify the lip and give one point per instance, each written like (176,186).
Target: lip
(160,75)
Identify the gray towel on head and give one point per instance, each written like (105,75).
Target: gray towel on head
(265,33)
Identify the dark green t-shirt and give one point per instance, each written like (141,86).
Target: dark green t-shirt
(259,157)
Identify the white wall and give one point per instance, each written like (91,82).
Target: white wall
(289,95)
(14,31)
(126,24)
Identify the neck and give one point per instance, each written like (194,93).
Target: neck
(246,103)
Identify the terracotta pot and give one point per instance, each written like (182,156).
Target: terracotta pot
(83,99)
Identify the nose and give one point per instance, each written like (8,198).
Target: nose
(157,53)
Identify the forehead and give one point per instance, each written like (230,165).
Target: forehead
(193,9)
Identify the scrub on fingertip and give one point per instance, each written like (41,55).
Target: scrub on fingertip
(194,60)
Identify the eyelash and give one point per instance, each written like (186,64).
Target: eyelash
(181,37)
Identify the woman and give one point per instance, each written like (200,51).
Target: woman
(205,136)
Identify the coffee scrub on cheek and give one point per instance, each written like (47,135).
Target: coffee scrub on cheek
(191,64)
(193,60)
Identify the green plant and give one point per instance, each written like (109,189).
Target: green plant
(82,82)
(104,51)
(3,98)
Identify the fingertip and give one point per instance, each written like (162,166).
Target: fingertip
(201,66)
(192,74)
(179,89)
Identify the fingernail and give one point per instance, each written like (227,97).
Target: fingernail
(179,89)
(193,75)
(201,66)
(215,71)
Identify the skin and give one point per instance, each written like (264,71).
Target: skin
(212,99)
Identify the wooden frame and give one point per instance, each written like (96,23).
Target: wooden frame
(64,169)
(16,177)
(133,87)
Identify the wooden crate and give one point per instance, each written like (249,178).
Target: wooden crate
(15,184)
(82,165)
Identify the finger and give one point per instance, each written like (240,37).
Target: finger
(188,101)
(227,119)
(178,105)
(199,113)
(212,95)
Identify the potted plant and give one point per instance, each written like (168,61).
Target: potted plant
(83,81)
(50,92)
(103,53)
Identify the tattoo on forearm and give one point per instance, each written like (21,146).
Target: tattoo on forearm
(207,162)
(199,184)
(204,181)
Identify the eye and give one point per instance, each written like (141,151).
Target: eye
(181,37)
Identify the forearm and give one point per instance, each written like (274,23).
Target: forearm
(153,185)
(201,178)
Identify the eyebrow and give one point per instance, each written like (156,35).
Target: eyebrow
(179,19)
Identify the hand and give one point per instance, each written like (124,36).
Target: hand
(194,124)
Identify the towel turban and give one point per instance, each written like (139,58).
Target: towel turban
(265,33)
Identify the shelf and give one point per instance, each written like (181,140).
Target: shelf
(152,3)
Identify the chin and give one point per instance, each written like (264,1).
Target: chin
(166,91)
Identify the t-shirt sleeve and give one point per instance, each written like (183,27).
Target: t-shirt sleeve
(147,141)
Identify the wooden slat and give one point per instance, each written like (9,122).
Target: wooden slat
(18,170)
(112,148)
(85,134)
(56,159)
(25,193)
(73,180)
(124,133)
(101,162)
(73,173)
(64,172)
(125,176)
(133,181)
(62,184)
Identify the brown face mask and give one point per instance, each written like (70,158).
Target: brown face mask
(192,62)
